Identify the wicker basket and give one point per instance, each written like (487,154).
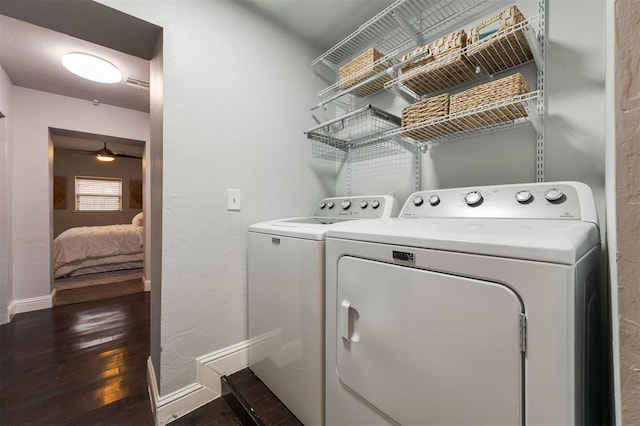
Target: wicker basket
(444,66)
(361,68)
(422,112)
(486,94)
(505,49)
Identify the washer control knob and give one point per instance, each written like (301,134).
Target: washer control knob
(345,204)
(473,198)
(323,205)
(553,194)
(418,200)
(363,204)
(375,204)
(434,200)
(330,204)
(523,196)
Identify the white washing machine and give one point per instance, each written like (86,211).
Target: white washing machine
(286,300)
(476,306)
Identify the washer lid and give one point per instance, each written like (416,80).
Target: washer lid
(554,241)
(297,227)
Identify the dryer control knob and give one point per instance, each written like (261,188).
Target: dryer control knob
(363,204)
(345,204)
(375,204)
(553,195)
(434,200)
(473,198)
(418,200)
(330,204)
(524,196)
(323,205)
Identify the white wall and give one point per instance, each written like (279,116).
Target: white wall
(6,108)
(237,92)
(71,163)
(574,141)
(35,112)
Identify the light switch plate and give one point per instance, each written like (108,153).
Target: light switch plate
(233,199)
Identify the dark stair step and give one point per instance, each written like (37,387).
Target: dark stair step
(253,402)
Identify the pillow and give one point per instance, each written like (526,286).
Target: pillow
(138,220)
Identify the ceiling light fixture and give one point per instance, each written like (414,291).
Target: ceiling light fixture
(91,67)
(105,154)
(105,157)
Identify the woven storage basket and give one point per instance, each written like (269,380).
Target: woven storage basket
(361,68)
(444,66)
(422,112)
(489,93)
(505,49)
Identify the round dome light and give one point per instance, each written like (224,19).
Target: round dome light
(91,67)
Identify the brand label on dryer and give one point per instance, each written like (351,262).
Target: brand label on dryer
(404,256)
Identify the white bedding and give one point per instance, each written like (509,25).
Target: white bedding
(89,246)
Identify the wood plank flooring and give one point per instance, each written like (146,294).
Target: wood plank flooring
(80,364)
(85,364)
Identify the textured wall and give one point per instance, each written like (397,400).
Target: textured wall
(628,202)
(236,92)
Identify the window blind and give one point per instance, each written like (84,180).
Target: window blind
(98,194)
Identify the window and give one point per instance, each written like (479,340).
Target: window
(96,194)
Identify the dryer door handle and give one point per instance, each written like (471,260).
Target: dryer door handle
(345,320)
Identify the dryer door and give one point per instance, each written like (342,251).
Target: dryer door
(428,348)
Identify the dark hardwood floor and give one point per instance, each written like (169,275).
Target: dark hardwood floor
(85,364)
(80,364)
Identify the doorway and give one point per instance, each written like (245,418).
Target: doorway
(97,210)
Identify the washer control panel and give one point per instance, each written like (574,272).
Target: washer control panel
(559,200)
(364,207)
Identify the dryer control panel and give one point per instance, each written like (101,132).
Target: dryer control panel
(548,200)
(363,207)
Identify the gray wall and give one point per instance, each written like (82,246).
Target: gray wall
(70,163)
(237,89)
(6,230)
(34,113)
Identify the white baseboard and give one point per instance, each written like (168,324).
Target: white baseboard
(31,304)
(147,284)
(209,369)
(152,387)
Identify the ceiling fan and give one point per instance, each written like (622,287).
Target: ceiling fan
(105,154)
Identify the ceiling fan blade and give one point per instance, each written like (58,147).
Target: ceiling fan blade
(128,156)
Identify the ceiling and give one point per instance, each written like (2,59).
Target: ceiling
(34,35)
(30,55)
(321,23)
(81,141)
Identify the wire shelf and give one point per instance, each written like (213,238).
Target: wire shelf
(402,25)
(365,87)
(501,51)
(356,136)
(506,113)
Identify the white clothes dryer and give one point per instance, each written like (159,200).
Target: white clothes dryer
(286,300)
(476,306)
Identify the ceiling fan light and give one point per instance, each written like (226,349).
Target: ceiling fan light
(91,67)
(105,157)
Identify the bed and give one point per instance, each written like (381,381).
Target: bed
(92,249)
